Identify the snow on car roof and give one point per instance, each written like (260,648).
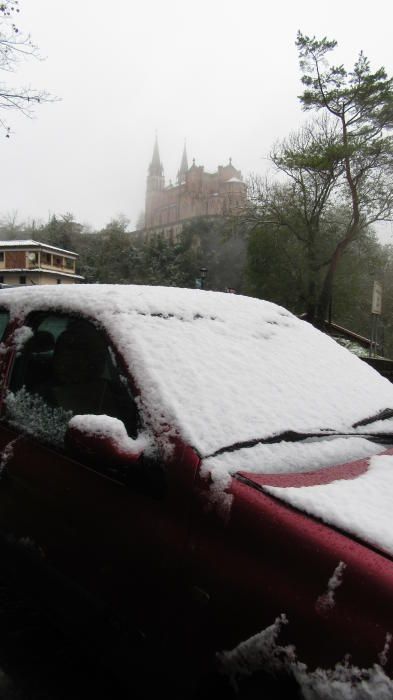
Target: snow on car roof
(221,368)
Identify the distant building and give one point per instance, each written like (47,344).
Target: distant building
(195,194)
(30,262)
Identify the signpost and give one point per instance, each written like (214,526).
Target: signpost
(200,281)
(203,271)
(376,304)
(376,311)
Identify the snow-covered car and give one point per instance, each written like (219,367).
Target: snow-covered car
(205,477)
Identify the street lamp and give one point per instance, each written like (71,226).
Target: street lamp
(203,271)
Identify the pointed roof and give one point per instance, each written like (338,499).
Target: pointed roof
(181,174)
(155,167)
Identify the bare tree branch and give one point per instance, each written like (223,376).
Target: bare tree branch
(14,48)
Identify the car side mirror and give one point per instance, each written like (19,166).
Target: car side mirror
(103,440)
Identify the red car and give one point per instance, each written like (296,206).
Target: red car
(201,479)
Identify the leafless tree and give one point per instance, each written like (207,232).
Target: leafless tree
(15,47)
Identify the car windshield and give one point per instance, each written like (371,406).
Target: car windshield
(220,368)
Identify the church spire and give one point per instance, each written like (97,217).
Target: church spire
(155,178)
(181,175)
(155,167)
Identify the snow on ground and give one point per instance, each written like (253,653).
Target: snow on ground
(343,682)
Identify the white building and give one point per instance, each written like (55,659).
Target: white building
(30,262)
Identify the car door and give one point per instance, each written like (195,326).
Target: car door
(118,539)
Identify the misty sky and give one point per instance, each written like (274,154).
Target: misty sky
(221,74)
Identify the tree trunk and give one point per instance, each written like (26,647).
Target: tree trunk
(326,293)
(325,297)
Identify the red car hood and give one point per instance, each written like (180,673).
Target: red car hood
(349,470)
(334,586)
(298,490)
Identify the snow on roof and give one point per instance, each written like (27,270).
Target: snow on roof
(235,179)
(31,270)
(29,243)
(221,368)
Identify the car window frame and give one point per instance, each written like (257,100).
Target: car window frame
(3,335)
(32,320)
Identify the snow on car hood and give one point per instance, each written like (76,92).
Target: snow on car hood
(286,458)
(361,507)
(221,368)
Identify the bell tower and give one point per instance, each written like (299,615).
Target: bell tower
(154,185)
(181,173)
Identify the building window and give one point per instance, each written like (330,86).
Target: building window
(1,279)
(46,258)
(58,281)
(1,257)
(69,263)
(22,279)
(57,261)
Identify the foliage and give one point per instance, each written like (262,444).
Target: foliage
(60,231)
(205,243)
(277,266)
(297,211)
(263,260)
(362,263)
(11,229)
(110,255)
(385,276)
(360,105)
(308,228)
(281,269)
(114,255)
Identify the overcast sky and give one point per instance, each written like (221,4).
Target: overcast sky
(221,75)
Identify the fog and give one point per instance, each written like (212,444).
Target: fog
(222,76)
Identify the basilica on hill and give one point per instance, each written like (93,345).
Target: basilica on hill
(196,194)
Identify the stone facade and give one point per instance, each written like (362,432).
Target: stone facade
(197,193)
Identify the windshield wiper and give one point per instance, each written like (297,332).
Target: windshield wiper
(286,436)
(293,436)
(382,415)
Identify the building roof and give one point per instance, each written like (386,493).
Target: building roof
(30,271)
(29,243)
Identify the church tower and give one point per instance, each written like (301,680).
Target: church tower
(155,184)
(181,174)
(196,194)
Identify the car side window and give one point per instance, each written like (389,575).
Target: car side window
(4,318)
(66,368)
